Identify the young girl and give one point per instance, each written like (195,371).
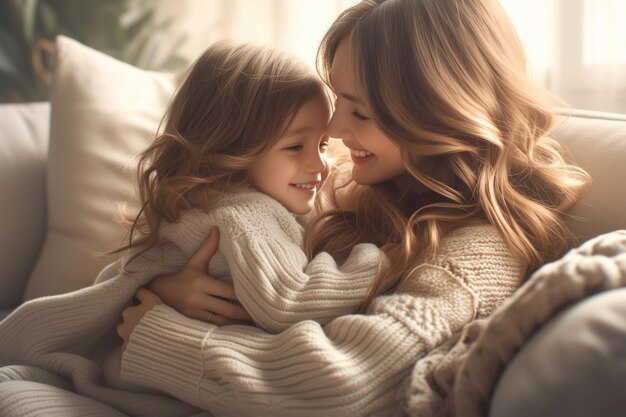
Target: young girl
(243,149)
(452,162)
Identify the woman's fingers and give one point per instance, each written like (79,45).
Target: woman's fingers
(210,294)
(212,286)
(214,318)
(197,295)
(226,309)
(201,283)
(218,320)
(200,260)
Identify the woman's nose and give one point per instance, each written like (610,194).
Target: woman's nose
(336,126)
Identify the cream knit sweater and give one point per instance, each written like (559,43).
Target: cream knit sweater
(351,365)
(261,252)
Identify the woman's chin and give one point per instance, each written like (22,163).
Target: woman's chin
(360,179)
(364,176)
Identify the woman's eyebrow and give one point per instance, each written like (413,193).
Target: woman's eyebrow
(350,97)
(344,95)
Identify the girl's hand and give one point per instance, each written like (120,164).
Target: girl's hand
(197,295)
(131,316)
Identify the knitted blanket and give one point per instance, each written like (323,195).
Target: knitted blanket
(458,378)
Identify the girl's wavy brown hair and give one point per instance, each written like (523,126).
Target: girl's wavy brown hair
(446,80)
(235,102)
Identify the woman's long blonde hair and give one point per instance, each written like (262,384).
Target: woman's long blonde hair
(446,80)
(235,102)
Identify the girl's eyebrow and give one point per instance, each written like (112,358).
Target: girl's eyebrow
(298,131)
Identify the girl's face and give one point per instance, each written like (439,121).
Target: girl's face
(291,170)
(376,157)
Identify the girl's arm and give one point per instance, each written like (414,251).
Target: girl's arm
(274,280)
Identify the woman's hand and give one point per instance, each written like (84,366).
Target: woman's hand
(131,316)
(197,295)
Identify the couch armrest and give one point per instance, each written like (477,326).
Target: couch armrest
(23,152)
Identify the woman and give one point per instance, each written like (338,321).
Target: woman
(453,168)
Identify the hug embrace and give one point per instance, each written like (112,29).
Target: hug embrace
(273,279)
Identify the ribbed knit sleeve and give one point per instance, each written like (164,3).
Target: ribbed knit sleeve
(282,288)
(276,283)
(351,366)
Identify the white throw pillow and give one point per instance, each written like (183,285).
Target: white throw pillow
(103,113)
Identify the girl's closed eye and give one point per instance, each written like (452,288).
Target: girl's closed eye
(293,148)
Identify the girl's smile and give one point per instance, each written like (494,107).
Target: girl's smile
(291,170)
(308,188)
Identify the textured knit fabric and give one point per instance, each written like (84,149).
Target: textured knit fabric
(351,366)
(64,351)
(458,378)
(261,250)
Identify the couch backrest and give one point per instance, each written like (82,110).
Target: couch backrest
(597,142)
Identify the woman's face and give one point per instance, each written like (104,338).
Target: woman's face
(376,158)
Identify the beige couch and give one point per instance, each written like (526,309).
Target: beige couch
(66,166)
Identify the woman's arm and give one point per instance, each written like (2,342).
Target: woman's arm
(195,294)
(352,366)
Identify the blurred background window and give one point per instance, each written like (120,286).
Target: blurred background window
(576,48)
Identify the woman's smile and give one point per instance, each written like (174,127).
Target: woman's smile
(360,156)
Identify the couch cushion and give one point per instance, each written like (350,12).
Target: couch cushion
(597,142)
(103,113)
(23,151)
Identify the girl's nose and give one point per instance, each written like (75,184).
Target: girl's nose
(316,162)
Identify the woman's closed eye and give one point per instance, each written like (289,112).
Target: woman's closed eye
(323,147)
(360,116)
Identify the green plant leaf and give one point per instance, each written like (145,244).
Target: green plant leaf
(132,34)
(15,68)
(137,22)
(28,10)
